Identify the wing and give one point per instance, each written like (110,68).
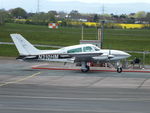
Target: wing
(79,57)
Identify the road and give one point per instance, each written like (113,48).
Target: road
(24,90)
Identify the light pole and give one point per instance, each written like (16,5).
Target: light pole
(82,32)
(102,33)
(38,6)
(144,59)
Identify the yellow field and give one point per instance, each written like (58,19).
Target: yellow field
(95,24)
(118,25)
(132,26)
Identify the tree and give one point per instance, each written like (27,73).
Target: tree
(62,14)
(130,20)
(51,16)
(53,12)
(43,18)
(1,17)
(38,18)
(74,14)
(4,16)
(140,14)
(18,13)
(95,18)
(147,18)
(123,16)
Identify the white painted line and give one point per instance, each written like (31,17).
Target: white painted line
(82,99)
(38,65)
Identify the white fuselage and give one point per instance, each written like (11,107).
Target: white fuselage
(111,55)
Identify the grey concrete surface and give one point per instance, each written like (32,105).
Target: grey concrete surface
(24,90)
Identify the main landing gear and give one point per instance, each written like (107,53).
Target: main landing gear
(84,67)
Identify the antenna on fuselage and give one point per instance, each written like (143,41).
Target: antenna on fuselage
(38,6)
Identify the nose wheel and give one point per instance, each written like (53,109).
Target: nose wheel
(119,69)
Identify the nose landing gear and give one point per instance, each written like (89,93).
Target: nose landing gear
(119,69)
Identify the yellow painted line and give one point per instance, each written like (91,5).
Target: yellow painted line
(20,80)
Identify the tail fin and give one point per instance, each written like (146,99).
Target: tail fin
(24,47)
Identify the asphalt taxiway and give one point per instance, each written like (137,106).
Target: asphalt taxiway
(27,90)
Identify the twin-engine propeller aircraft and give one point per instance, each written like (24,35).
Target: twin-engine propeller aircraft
(80,54)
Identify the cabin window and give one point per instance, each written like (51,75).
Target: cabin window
(77,50)
(97,49)
(87,49)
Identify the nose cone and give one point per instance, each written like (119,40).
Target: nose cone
(120,55)
(126,55)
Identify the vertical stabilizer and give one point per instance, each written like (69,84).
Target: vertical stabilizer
(24,47)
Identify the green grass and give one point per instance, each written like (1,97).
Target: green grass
(122,39)
(11,51)
(8,50)
(140,56)
(129,39)
(41,34)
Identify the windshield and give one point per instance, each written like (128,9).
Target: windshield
(96,48)
(76,50)
(87,49)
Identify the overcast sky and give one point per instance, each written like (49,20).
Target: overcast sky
(107,1)
(83,6)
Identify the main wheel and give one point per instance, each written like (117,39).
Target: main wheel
(119,69)
(86,69)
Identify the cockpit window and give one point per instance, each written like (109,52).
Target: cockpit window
(87,49)
(77,50)
(96,49)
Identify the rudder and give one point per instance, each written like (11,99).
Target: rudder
(23,46)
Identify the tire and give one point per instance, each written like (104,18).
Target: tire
(119,69)
(85,70)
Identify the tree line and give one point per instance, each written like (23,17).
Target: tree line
(43,18)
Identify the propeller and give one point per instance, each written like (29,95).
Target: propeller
(110,55)
(109,52)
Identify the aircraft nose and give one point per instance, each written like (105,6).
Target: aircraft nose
(126,55)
